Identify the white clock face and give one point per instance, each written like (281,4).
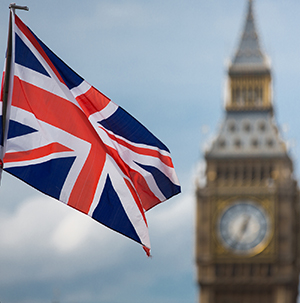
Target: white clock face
(243,227)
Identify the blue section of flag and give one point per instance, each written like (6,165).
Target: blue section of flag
(123,124)
(25,57)
(168,188)
(16,129)
(110,212)
(70,77)
(48,177)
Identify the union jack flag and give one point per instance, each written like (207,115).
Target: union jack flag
(71,142)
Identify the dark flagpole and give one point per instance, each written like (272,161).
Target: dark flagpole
(12,8)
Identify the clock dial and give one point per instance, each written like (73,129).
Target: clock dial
(243,227)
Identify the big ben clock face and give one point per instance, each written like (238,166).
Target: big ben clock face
(244,228)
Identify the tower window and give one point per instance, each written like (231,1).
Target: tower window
(232,126)
(270,173)
(237,143)
(244,95)
(245,173)
(262,173)
(247,127)
(218,173)
(250,97)
(253,173)
(254,142)
(270,142)
(247,94)
(258,95)
(235,173)
(222,143)
(226,173)
(262,126)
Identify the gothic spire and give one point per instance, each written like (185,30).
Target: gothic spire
(249,55)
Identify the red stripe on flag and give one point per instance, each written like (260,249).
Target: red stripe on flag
(136,199)
(25,30)
(147,250)
(53,109)
(140,150)
(92,101)
(146,196)
(66,116)
(35,153)
(2,83)
(85,187)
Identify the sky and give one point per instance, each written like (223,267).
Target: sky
(165,62)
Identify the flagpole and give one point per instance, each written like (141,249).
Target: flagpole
(15,6)
(12,8)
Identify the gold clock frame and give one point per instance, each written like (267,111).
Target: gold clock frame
(263,249)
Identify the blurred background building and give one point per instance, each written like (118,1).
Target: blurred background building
(247,231)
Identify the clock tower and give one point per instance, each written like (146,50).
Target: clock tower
(247,223)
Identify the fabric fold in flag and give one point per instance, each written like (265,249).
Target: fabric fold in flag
(68,140)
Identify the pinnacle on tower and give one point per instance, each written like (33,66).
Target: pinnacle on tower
(249,56)
(250,79)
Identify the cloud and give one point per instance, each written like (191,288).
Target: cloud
(43,239)
(71,232)
(46,233)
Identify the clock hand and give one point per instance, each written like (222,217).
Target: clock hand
(242,230)
(244,226)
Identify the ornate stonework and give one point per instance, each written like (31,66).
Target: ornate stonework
(247,231)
